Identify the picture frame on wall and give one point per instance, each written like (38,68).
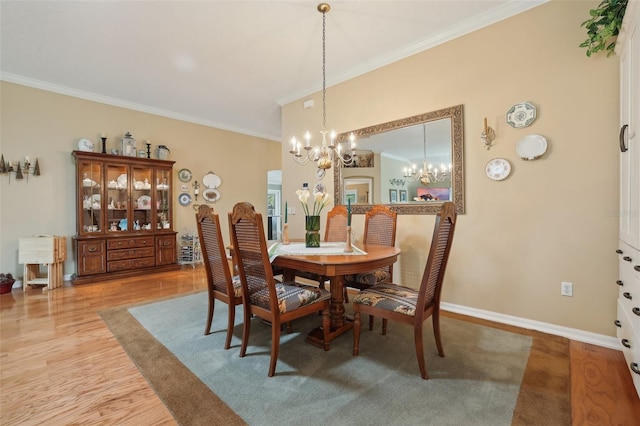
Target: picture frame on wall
(393,195)
(403,195)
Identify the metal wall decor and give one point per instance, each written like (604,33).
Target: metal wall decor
(20,169)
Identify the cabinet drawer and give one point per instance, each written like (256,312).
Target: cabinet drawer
(91,247)
(122,265)
(629,281)
(629,339)
(130,254)
(130,243)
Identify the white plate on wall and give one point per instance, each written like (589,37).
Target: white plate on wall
(531,147)
(211,180)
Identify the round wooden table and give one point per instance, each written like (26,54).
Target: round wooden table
(336,267)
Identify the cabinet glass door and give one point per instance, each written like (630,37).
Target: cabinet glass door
(118,198)
(92,180)
(141,197)
(163,198)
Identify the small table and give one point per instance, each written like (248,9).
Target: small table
(335,267)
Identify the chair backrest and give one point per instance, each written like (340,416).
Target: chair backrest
(431,285)
(380,226)
(336,227)
(213,252)
(250,249)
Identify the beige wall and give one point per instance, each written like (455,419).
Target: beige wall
(47,125)
(550,220)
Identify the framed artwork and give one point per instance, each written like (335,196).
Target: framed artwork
(393,195)
(351,196)
(403,195)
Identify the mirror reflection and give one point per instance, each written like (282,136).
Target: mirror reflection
(412,164)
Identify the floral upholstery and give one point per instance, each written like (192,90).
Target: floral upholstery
(390,297)
(290,296)
(237,286)
(372,278)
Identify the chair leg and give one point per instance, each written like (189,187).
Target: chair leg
(436,332)
(326,326)
(356,332)
(345,294)
(246,329)
(230,323)
(371,323)
(417,336)
(384,326)
(275,347)
(207,328)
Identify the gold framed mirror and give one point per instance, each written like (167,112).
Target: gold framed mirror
(390,151)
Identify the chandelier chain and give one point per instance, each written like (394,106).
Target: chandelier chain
(324,70)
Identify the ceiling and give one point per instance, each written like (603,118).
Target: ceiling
(226,64)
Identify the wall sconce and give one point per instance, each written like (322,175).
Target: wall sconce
(487,136)
(395,182)
(8,167)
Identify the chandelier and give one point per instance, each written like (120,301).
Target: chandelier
(328,152)
(427,174)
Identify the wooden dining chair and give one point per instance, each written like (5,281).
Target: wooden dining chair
(263,297)
(408,305)
(379,228)
(335,231)
(221,285)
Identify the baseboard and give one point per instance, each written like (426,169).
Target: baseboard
(570,333)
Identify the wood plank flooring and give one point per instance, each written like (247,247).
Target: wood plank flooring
(60,364)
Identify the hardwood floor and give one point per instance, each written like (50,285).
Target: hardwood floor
(60,364)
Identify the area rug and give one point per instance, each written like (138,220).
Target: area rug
(479,381)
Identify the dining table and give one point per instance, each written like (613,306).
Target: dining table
(333,263)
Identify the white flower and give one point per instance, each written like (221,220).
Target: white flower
(320,199)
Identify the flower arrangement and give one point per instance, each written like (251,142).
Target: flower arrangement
(320,199)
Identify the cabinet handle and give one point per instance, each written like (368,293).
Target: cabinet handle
(636,311)
(627,295)
(617,323)
(619,251)
(626,343)
(623,132)
(92,249)
(634,367)
(620,283)
(627,258)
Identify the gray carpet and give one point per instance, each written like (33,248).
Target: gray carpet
(477,382)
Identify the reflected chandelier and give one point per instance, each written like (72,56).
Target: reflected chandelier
(328,152)
(427,174)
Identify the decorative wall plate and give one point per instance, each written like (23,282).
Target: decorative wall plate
(211,180)
(531,147)
(211,195)
(122,181)
(85,144)
(184,199)
(521,115)
(144,202)
(185,175)
(498,169)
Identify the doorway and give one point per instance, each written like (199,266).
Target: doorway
(274,208)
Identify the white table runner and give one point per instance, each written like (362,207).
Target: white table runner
(326,249)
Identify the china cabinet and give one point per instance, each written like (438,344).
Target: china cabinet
(628,305)
(124,217)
